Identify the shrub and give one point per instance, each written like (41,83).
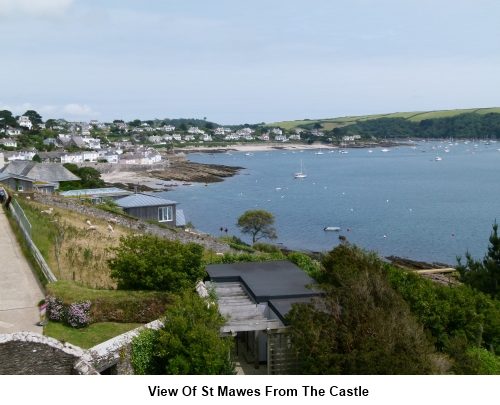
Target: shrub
(304,262)
(55,309)
(189,343)
(266,247)
(153,263)
(142,354)
(79,314)
(488,363)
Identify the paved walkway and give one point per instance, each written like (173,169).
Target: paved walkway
(20,290)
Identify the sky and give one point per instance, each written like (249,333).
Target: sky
(240,61)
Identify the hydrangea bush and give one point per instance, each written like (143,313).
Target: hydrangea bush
(56,309)
(79,314)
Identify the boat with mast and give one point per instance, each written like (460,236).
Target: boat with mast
(302,174)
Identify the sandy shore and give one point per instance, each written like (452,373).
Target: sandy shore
(255,147)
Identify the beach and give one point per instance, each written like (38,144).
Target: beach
(182,171)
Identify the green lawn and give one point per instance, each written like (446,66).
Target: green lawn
(440,114)
(90,336)
(69,291)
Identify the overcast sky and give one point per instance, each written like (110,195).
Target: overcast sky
(246,61)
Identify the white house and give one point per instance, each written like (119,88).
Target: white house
(153,156)
(13,131)
(8,143)
(295,137)
(281,138)
(264,137)
(91,156)
(167,137)
(25,122)
(189,138)
(110,157)
(177,137)
(277,131)
(195,130)
(206,138)
(155,139)
(72,158)
(169,128)
(127,159)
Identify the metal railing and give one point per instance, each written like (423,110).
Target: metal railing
(27,230)
(21,218)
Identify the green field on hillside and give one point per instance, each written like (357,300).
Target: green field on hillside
(416,116)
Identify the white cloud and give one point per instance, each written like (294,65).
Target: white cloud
(34,8)
(79,110)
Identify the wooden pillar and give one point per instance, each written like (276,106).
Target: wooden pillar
(256,348)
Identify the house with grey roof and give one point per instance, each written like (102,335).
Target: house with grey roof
(46,172)
(78,142)
(256,296)
(8,143)
(22,183)
(48,141)
(146,206)
(95,195)
(51,157)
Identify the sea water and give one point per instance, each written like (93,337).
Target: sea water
(402,202)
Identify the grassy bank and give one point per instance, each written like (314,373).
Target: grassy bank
(91,335)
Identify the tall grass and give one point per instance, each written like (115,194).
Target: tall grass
(71,252)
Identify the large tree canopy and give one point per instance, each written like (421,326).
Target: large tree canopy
(360,325)
(90,178)
(257,223)
(35,118)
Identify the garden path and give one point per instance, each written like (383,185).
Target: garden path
(20,290)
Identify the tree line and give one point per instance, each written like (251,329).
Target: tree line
(462,126)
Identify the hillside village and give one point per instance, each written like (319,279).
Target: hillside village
(136,142)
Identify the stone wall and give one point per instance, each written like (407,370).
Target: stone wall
(209,242)
(31,353)
(115,353)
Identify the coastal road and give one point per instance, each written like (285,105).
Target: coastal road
(20,290)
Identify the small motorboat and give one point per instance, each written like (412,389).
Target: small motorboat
(331,228)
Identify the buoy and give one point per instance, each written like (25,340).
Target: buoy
(352,209)
(452,234)
(385,237)
(268,200)
(348,229)
(410,209)
(387,200)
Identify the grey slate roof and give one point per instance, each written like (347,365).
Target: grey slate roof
(265,280)
(4,176)
(143,200)
(95,192)
(51,172)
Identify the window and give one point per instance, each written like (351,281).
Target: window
(165,214)
(19,188)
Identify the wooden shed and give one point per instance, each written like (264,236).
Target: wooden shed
(146,206)
(256,296)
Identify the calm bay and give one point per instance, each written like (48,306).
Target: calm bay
(402,202)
